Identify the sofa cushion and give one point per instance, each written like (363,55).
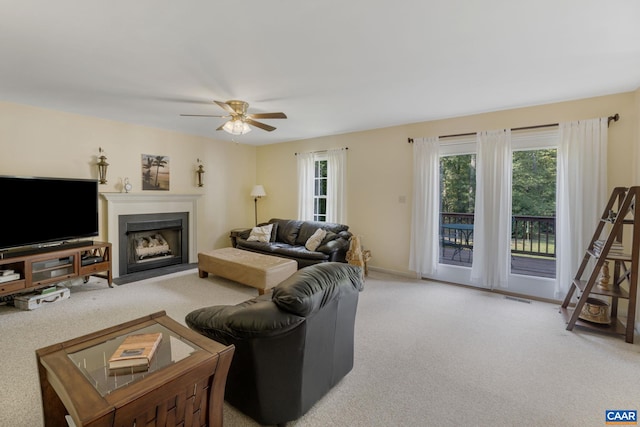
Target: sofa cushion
(313,287)
(345,234)
(331,246)
(292,251)
(307,228)
(288,230)
(329,237)
(261,234)
(315,240)
(265,247)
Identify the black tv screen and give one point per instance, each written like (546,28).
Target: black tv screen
(44,210)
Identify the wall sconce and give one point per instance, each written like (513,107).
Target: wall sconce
(102,167)
(199,172)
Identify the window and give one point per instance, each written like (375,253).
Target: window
(321,186)
(320,190)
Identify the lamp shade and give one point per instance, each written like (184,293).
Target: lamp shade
(258,191)
(236,127)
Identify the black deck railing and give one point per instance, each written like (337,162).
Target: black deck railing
(533,235)
(530,235)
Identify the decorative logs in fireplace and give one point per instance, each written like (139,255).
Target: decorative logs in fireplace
(151,246)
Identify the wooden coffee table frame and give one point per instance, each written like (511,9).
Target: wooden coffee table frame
(66,390)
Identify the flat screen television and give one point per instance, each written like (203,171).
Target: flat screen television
(39,211)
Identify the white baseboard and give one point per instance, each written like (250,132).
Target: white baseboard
(407,274)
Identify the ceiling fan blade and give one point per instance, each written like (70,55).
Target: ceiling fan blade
(225,107)
(263,126)
(220,127)
(268,116)
(200,115)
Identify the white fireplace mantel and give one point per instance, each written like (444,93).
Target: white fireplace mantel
(132,204)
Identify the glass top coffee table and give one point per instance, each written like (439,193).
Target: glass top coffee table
(92,361)
(184,383)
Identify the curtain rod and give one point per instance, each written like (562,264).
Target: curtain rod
(613,118)
(322,151)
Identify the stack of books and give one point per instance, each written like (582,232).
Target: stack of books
(134,354)
(616,248)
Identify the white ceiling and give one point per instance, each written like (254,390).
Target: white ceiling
(333,66)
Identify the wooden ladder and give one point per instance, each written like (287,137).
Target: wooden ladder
(610,229)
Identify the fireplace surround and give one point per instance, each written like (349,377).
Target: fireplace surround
(118,204)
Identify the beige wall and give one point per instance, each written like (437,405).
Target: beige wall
(40,142)
(380,167)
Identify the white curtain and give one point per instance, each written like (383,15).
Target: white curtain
(581,193)
(423,256)
(492,222)
(306,173)
(336,187)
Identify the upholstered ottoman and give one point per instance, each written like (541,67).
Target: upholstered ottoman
(249,268)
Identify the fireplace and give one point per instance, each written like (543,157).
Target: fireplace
(149,241)
(124,204)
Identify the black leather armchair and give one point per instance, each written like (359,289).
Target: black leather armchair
(292,346)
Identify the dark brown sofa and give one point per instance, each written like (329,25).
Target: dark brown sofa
(288,238)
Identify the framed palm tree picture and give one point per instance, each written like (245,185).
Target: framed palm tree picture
(155,172)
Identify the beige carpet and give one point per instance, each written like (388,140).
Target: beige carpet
(427,354)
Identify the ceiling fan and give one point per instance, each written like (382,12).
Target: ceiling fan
(239,121)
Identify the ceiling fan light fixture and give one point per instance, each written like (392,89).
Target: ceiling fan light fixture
(236,127)
(240,122)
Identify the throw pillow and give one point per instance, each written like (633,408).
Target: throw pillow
(274,230)
(260,234)
(329,237)
(314,241)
